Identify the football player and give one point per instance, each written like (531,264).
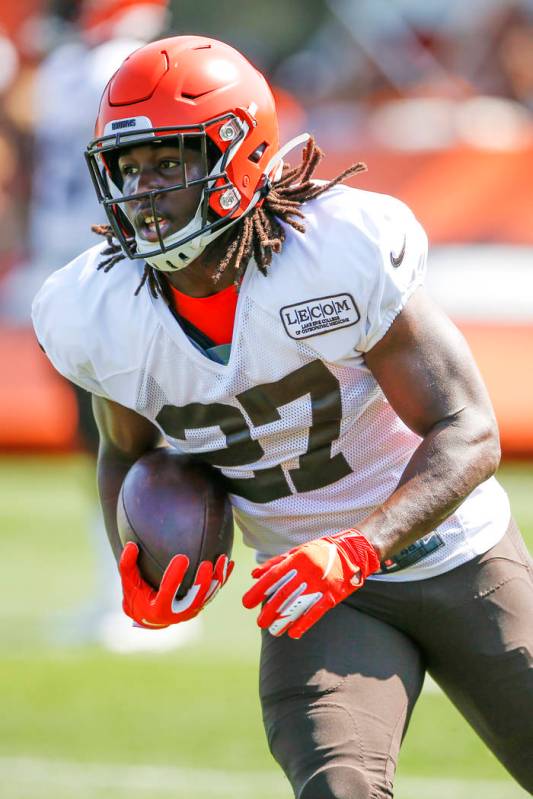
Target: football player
(277,327)
(69,84)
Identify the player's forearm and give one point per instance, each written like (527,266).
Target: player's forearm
(453,458)
(125,435)
(111,471)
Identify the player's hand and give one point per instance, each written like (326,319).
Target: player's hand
(304,583)
(157,609)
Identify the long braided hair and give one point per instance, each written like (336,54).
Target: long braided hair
(259,234)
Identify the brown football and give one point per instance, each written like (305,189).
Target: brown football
(170,504)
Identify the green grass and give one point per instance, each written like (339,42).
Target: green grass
(191,714)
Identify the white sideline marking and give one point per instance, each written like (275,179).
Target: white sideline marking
(43,775)
(61,778)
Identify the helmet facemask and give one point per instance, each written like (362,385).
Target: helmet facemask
(178,249)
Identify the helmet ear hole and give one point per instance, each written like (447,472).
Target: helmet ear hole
(257,154)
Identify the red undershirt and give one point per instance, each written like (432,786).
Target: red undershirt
(213,315)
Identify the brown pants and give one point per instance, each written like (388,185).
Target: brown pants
(336,703)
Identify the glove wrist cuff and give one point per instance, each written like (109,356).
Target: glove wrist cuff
(360,553)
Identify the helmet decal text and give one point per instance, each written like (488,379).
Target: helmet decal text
(132,123)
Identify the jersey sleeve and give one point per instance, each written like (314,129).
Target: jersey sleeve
(398,268)
(58,321)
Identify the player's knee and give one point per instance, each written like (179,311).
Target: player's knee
(336,782)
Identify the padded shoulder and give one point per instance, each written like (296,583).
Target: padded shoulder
(365,249)
(90,323)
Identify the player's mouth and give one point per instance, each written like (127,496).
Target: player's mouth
(152,227)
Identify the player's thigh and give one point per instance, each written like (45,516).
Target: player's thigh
(336,704)
(483,656)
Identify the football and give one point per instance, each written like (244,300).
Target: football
(169,505)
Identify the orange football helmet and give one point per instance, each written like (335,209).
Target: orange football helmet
(182,87)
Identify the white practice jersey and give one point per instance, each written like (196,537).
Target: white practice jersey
(294,419)
(68,88)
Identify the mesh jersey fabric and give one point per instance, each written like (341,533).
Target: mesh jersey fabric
(294,420)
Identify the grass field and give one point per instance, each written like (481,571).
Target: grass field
(81,721)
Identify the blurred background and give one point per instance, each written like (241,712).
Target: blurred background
(437,99)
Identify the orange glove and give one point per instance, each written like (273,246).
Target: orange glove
(304,583)
(157,609)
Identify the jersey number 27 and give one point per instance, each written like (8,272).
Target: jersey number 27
(317,467)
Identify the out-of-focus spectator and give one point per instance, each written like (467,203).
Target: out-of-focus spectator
(515,56)
(96,36)
(436,97)
(9,161)
(379,48)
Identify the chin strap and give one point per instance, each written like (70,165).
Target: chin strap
(180,257)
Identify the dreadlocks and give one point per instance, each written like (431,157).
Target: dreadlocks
(259,234)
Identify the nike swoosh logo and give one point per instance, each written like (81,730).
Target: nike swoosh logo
(396,260)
